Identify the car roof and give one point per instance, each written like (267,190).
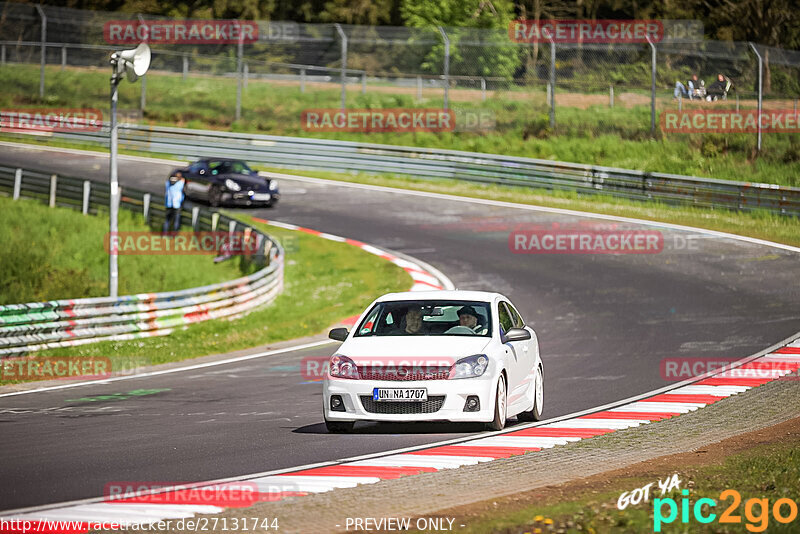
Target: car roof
(455,294)
(220,159)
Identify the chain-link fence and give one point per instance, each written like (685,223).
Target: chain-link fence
(539,89)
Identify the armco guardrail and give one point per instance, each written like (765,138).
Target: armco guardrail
(344,156)
(41,325)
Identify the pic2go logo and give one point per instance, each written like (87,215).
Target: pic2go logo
(756,511)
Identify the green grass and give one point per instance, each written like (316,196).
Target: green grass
(618,137)
(765,472)
(58,253)
(325,282)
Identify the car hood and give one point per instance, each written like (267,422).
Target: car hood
(251,182)
(418,348)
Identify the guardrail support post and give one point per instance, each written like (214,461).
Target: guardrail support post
(231,230)
(44,49)
(87,191)
(63,57)
(214,221)
(364,83)
(2,54)
(185,70)
(195,215)
(611,96)
(302,80)
(17,183)
(760,89)
(419,88)
(446,66)
(483,89)
(146,207)
(343,38)
(53,184)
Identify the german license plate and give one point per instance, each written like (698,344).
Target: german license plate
(399,394)
(262,196)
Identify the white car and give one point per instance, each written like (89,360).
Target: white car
(461,356)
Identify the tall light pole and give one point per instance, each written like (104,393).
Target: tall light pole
(134,63)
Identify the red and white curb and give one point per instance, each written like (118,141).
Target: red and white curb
(655,406)
(425,277)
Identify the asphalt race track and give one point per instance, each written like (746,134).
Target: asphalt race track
(605,323)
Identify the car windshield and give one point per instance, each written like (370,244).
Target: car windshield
(427,318)
(230,167)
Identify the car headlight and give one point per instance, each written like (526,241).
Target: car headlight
(342,367)
(470,367)
(273,185)
(233,186)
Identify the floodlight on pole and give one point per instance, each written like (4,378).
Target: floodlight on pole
(131,63)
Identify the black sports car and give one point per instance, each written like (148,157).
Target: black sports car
(222,181)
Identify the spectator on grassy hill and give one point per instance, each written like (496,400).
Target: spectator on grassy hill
(689,90)
(720,88)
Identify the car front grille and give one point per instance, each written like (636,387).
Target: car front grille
(404,374)
(433,404)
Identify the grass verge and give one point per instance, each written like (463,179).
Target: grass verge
(325,281)
(616,137)
(51,254)
(767,468)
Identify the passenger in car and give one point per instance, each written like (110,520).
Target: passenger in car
(467,316)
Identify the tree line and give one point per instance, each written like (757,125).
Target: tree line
(769,22)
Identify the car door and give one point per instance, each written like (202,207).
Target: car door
(516,368)
(197,180)
(528,357)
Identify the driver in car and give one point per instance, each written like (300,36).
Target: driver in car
(467,316)
(414,321)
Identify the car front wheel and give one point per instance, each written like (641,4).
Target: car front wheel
(215,196)
(500,407)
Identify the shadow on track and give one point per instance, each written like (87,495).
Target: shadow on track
(402,428)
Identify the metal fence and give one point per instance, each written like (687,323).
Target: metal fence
(577,88)
(59,323)
(344,156)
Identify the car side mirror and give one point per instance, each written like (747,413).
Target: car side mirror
(340,334)
(517,334)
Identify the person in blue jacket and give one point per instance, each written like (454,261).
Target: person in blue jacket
(173,201)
